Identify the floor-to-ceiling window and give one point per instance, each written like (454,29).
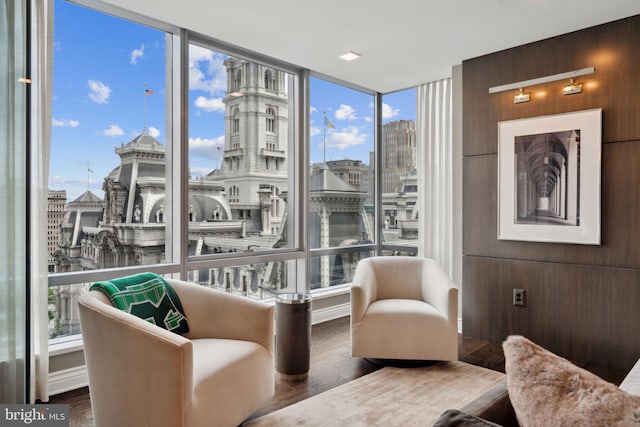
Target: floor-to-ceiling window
(399,174)
(241,179)
(342,184)
(134,186)
(110,189)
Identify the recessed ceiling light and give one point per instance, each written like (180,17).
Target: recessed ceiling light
(350,56)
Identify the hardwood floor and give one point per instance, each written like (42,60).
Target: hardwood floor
(331,365)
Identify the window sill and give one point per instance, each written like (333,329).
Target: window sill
(58,346)
(331,291)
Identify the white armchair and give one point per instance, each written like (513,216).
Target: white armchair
(403,308)
(217,374)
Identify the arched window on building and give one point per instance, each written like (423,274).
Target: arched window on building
(237,80)
(269,81)
(160,214)
(270,122)
(235,126)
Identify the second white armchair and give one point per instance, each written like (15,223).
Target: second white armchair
(403,308)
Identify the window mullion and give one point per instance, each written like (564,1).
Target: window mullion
(377,171)
(181,176)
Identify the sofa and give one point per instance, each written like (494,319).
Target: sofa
(495,407)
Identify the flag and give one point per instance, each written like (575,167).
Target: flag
(89,169)
(328,123)
(148,92)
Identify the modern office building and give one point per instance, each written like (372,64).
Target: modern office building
(57,201)
(400,154)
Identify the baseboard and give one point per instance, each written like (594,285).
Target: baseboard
(68,379)
(330,313)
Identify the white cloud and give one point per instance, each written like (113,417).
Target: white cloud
(346,112)
(210,148)
(154,132)
(313,130)
(209,104)
(206,70)
(347,138)
(99,92)
(368,119)
(388,111)
(59,181)
(199,54)
(113,130)
(64,123)
(136,54)
(312,109)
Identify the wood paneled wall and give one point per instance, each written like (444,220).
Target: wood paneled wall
(583,302)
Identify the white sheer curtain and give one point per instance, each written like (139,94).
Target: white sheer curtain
(13,204)
(41,98)
(435,171)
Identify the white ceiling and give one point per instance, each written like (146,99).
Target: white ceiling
(403,42)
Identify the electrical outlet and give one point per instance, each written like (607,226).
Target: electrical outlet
(519,297)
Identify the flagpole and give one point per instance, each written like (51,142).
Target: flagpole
(144,94)
(324,140)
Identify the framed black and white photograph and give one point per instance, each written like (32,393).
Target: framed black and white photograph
(549,178)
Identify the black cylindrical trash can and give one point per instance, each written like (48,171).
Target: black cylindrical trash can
(293,335)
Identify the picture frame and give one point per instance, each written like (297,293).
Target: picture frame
(549,171)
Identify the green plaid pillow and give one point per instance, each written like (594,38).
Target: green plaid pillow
(149,297)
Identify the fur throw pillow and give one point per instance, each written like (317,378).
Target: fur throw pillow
(547,390)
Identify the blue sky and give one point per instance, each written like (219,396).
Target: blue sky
(102,67)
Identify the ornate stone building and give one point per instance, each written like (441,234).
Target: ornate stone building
(128,228)
(353,172)
(254,171)
(401,211)
(337,217)
(82,217)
